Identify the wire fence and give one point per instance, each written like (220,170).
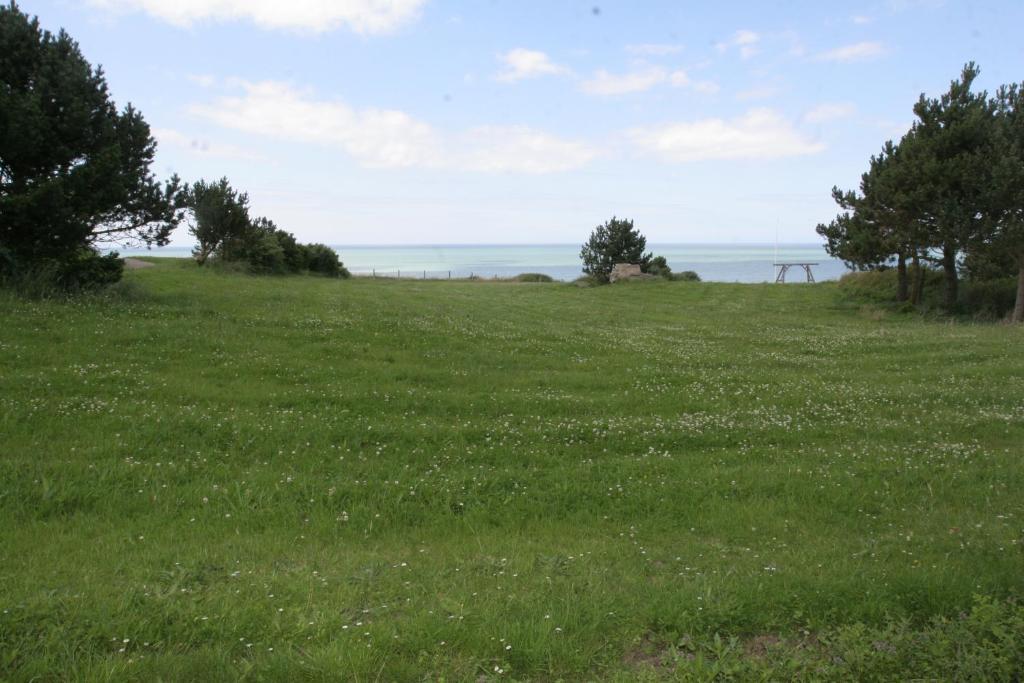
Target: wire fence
(398,274)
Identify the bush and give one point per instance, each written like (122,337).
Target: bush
(985,298)
(84,271)
(89,271)
(533,277)
(265,255)
(323,260)
(686,276)
(879,286)
(990,298)
(587,281)
(292,251)
(659,267)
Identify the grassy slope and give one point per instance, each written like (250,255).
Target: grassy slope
(231,474)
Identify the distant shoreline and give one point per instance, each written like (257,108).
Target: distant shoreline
(735,262)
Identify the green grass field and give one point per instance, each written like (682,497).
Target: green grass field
(211,476)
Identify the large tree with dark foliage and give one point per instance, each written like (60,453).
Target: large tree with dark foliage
(880,223)
(1007,189)
(617,241)
(74,170)
(948,194)
(955,134)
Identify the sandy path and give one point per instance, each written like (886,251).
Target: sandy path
(135,264)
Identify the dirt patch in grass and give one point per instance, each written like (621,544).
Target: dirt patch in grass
(135,264)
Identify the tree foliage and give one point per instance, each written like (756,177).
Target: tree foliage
(1007,190)
(74,170)
(225,232)
(616,241)
(947,194)
(658,266)
(220,219)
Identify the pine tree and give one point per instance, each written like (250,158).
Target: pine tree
(953,137)
(220,220)
(614,242)
(74,171)
(1008,186)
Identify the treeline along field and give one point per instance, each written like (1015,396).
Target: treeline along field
(214,476)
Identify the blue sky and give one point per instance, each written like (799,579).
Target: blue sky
(530,121)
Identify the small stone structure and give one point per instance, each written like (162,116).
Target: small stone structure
(627,271)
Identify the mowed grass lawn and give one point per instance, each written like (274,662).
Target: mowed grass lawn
(217,476)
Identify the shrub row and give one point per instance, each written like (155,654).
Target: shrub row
(993,298)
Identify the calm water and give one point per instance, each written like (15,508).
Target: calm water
(713,262)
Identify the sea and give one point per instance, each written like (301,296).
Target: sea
(712,262)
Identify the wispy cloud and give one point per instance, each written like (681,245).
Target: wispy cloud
(383,138)
(605,83)
(857,52)
(654,49)
(642,79)
(759,134)
(362,16)
(521,64)
(745,40)
(830,111)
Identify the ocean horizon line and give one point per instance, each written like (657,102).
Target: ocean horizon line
(452,245)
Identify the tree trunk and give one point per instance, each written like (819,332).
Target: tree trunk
(901,278)
(1018,308)
(949,298)
(918,288)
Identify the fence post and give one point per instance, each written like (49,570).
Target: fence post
(449,275)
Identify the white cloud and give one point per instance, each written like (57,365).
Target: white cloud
(362,16)
(376,137)
(829,112)
(168,137)
(861,19)
(744,40)
(679,78)
(760,134)
(521,63)
(654,49)
(643,79)
(604,83)
(381,138)
(853,53)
